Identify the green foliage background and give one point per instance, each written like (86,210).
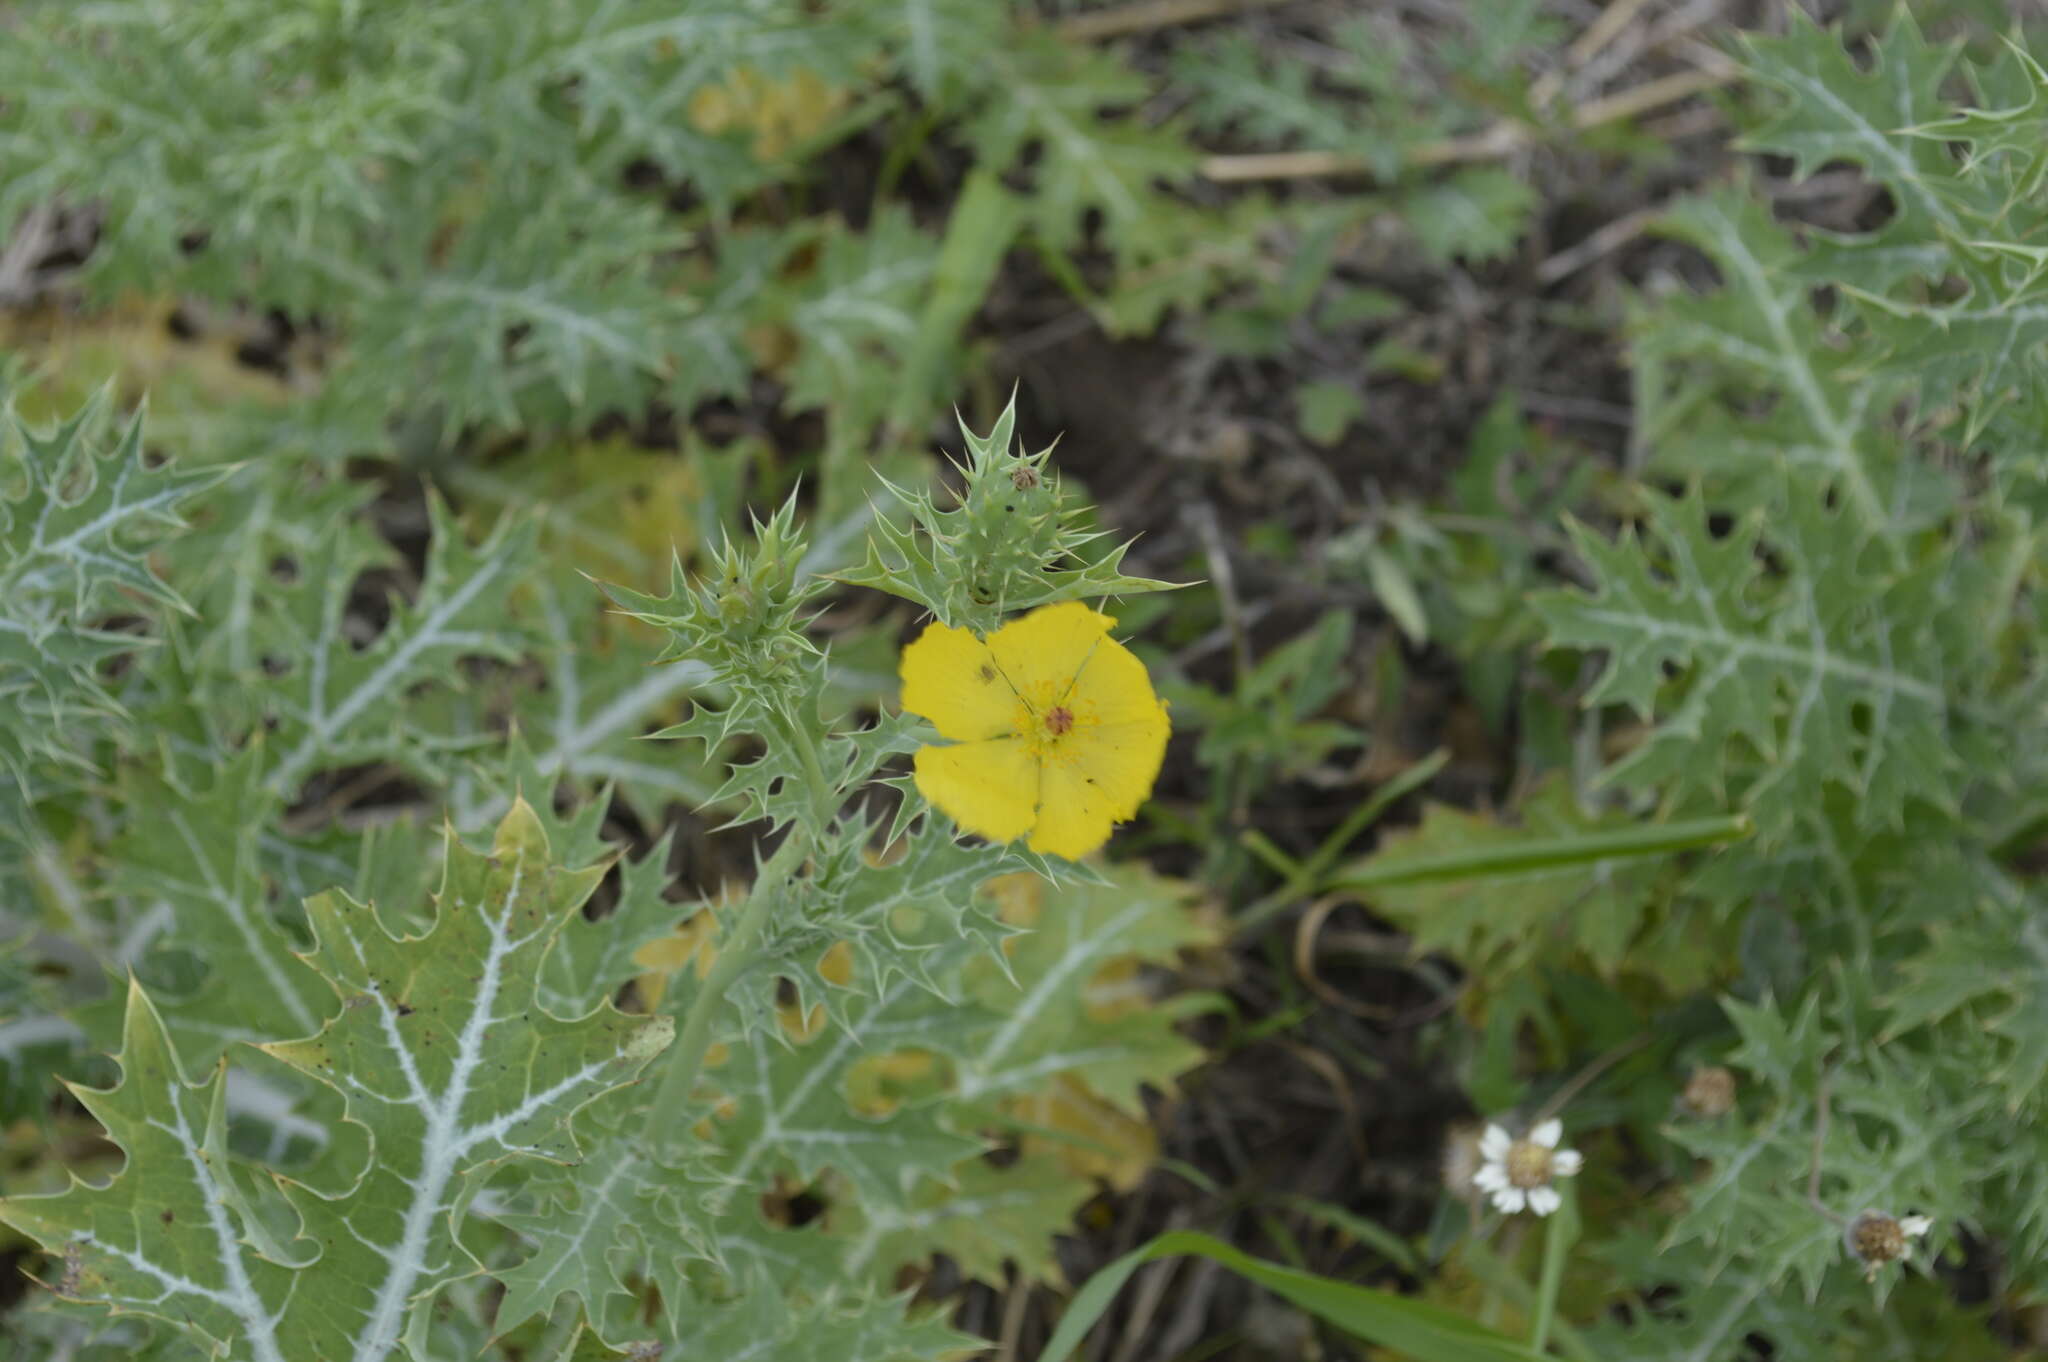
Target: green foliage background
(318,737)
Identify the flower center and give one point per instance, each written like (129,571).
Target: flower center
(1055,725)
(1528,1164)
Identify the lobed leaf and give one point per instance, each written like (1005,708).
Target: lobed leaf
(442,1052)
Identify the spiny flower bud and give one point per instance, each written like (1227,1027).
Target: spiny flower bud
(1010,542)
(746,618)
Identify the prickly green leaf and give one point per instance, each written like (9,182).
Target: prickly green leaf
(1477,214)
(991,1218)
(1693,1305)
(589,1223)
(855,312)
(789,1108)
(1068,996)
(1497,925)
(340,705)
(55,1330)
(74,521)
(1989,963)
(915,915)
(443,1053)
(1965,184)
(1837,110)
(936,41)
(1765,690)
(1877,1152)
(194,864)
(603,694)
(835,1327)
(1759,334)
(36,1041)
(73,516)
(1054,96)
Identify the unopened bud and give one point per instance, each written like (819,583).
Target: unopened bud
(735,603)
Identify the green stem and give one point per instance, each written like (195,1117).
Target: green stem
(665,1120)
(1304,879)
(1558,1233)
(1544,853)
(1278,861)
(1504,1282)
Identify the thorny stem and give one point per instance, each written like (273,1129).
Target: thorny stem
(736,951)
(686,1057)
(823,801)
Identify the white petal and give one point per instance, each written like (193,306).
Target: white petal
(1494,1144)
(1544,1200)
(1491,1177)
(1548,1133)
(1509,1199)
(1915,1225)
(1566,1162)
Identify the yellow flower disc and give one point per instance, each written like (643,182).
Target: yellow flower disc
(1055,730)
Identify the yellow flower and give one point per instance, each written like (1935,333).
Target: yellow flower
(1055,729)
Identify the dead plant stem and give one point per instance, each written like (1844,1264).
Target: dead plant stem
(1506,136)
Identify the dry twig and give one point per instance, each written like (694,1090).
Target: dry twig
(1147,15)
(1503,137)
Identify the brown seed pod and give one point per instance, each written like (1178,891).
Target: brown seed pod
(1709,1092)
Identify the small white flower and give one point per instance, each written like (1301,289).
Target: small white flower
(1915,1225)
(1519,1173)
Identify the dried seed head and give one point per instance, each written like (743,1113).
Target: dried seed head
(1709,1092)
(1461,1159)
(1024,477)
(1878,1238)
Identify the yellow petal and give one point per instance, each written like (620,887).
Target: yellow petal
(1119,761)
(1074,815)
(950,677)
(1049,647)
(989,788)
(1112,687)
